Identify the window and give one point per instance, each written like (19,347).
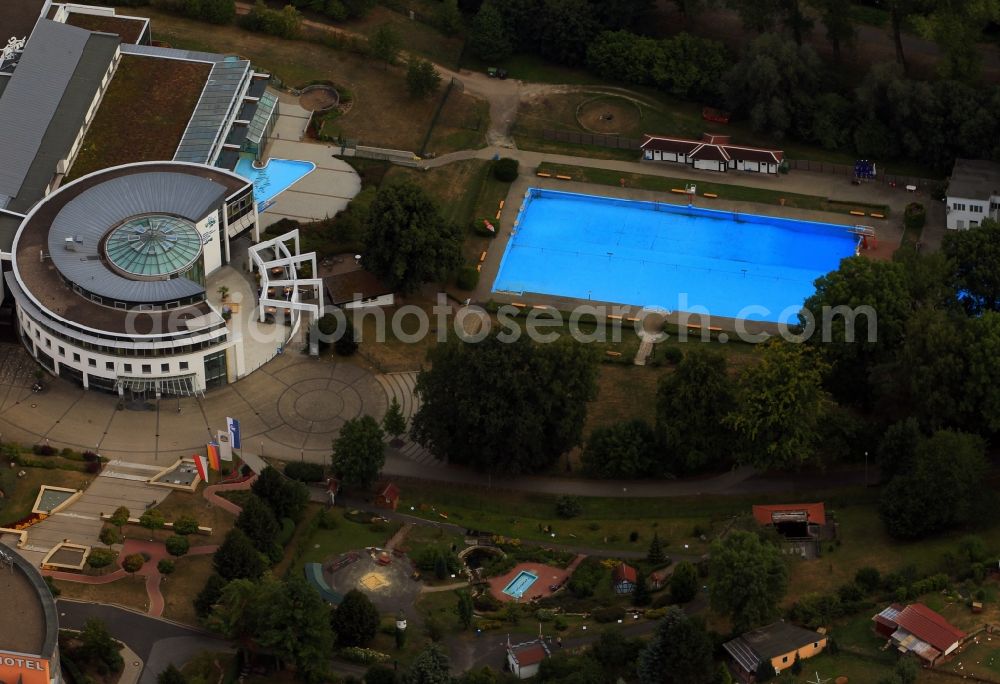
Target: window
(958,206)
(48,343)
(128,367)
(164,367)
(976,208)
(784,659)
(147,368)
(109,365)
(76,357)
(815,644)
(183,365)
(92,363)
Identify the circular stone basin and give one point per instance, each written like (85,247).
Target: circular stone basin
(319,98)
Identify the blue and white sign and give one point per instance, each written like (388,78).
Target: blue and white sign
(234,432)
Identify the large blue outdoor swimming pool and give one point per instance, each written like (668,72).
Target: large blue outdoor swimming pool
(520,584)
(276,177)
(663,255)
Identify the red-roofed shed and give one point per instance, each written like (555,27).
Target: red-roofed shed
(712,153)
(774,514)
(388,497)
(919,630)
(624,578)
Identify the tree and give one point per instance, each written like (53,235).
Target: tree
(346,344)
(286,497)
(257,521)
(684,582)
(177,545)
(690,66)
(237,558)
(747,579)
(782,404)
(568,26)
(846,341)
(380,674)
(110,536)
(171,675)
(407,241)
(384,44)
(899,12)
(300,633)
(975,258)
(100,558)
(896,450)
(185,525)
(489,39)
(839,24)
(691,404)
(355,620)
(680,652)
(165,566)
(97,646)
(464,609)
(218,11)
(359,453)
(640,594)
(245,612)
(957,27)
(133,563)
(152,520)
(209,595)
(625,450)
(394,422)
(655,555)
(429,667)
(543,398)
(448,18)
(941,490)
(422,78)
(120,518)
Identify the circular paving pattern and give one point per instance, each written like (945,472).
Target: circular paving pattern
(318,405)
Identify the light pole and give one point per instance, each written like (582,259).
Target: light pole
(866,469)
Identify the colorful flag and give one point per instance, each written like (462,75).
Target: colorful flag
(213,456)
(234,432)
(199,463)
(225,448)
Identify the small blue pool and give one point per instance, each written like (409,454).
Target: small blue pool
(520,584)
(680,258)
(276,177)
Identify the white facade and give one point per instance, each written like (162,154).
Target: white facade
(964,212)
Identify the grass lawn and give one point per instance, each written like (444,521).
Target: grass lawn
(208,666)
(180,588)
(417,37)
(382,113)
(865,542)
(20,492)
(455,187)
(194,504)
(737,193)
(348,536)
(128,591)
(980,658)
(143,114)
(534,69)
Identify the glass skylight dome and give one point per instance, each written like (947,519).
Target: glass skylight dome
(153,246)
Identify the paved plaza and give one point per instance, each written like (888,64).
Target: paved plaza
(292,408)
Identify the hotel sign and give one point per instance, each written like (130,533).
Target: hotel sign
(22,669)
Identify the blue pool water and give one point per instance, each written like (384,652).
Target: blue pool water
(273,179)
(664,255)
(520,584)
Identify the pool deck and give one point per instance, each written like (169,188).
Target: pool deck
(547,575)
(889,238)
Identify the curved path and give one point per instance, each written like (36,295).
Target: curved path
(156,552)
(225,504)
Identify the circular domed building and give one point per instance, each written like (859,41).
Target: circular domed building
(110,277)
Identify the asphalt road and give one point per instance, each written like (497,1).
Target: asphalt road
(156,641)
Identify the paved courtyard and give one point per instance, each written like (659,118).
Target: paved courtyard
(291,408)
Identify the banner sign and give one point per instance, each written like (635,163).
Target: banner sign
(234,432)
(21,669)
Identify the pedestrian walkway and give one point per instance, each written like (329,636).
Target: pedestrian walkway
(211,494)
(154,551)
(645,349)
(397,538)
(401,387)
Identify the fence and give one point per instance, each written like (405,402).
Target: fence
(453,84)
(597,139)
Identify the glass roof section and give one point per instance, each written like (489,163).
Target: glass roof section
(265,110)
(153,246)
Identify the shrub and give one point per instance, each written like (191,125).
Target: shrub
(505,170)
(43,450)
(468,278)
(560,624)
(850,592)
(305,472)
(177,545)
(486,602)
(90,456)
(868,578)
(479,227)
(609,614)
(327,519)
(165,566)
(92,467)
(365,656)
(185,525)
(914,216)
(672,355)
(655,613)
(583,582)
(543,615)
(633,536)
(53,589)
(568,506)
(435,630)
